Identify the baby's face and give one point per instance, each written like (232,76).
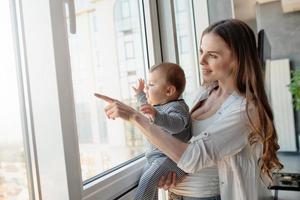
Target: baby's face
(156,88)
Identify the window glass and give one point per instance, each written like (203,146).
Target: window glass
(187,50)
(125,8)
(107,56)
(13,173)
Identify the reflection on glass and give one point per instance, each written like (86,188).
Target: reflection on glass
(106,57)
(13,177)
(187,49)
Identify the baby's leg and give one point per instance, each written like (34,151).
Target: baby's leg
(147,189)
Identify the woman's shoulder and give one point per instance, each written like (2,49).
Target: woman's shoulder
(196,96)
(203,91)
(242,103)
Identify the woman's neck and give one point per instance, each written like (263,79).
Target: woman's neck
(225,88)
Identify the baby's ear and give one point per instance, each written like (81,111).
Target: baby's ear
(171,90)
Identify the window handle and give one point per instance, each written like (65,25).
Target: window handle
(72,15)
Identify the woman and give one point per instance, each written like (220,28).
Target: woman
(234,134)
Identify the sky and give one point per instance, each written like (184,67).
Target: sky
(10,127)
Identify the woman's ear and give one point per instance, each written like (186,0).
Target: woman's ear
(232,67)
(233,64)
(171,90)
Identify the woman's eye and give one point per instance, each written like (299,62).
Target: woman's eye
(213,56)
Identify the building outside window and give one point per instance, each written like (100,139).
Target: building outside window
(129,50)
(107,61)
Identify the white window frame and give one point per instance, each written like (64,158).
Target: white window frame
(53,130)
(24,100)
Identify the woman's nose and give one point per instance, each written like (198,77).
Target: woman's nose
(202,59)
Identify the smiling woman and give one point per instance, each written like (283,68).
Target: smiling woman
(235,138)
(215,60)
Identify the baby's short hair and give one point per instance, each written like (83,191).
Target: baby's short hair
(174,75)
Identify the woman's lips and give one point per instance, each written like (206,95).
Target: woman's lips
(206,71)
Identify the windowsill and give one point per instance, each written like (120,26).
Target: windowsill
(115,183)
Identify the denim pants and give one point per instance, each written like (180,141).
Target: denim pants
(173,196)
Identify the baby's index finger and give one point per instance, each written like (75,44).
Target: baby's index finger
(105,98)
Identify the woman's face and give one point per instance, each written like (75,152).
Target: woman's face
(216,59)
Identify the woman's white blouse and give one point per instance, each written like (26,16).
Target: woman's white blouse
(225,144)
(205,183)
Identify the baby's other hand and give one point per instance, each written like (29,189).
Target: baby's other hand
(140,86)
(148,110)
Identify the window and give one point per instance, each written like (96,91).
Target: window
(95,23)
(181,6)
(125,8)
(129,50)
(184,47)
(106,61)
(186,40)
(13,171)
(98,64)
(76,147)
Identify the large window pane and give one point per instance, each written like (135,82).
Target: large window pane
(187,50)
(107,56)
(13,176)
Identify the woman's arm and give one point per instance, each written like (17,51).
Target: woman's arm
(168,144)
(227,137)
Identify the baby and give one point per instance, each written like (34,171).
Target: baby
(162,104)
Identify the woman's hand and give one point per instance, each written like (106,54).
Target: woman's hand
(167,182)
(116,108)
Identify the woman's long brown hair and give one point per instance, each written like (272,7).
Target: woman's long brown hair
(249,82)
